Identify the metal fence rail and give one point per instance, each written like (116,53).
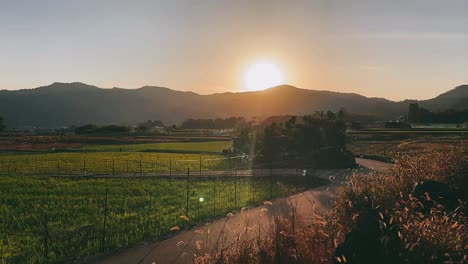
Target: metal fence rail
(38,165)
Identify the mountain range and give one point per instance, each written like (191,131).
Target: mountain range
(65,104)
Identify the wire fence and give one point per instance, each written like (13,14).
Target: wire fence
(50,220)
(38,165)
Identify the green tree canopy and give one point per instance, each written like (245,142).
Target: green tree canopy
(313,140)
(2,125)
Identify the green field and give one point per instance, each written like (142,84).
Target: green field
(63,220)
(211,146)
(135,159)
(73,163)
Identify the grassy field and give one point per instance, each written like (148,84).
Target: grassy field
(211,146)
(117,159)
(58,220)
(393,148)
(95,163)
(62,220)
(390,143)
(38,143)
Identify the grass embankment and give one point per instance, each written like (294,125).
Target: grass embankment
(383,221)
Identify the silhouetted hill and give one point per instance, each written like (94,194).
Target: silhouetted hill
(456,98)
(64,104)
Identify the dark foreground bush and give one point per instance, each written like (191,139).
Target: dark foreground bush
(376,219)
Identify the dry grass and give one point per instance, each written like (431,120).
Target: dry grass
(284,242)
(393,148)
(407,233)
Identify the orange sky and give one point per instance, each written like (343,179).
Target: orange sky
(415,49)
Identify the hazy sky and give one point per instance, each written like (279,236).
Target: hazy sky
(393,49)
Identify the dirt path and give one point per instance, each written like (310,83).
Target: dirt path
(181,247)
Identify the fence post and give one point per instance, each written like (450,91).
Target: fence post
(103,242)
(214,195)
(188,190)
(113,166)
(35,165)
(200,166)
(141,169)
(271,182)
(148,216)
(170,166)
(235,188)
(84,164)
(254,190)
(157,224)
(46,238)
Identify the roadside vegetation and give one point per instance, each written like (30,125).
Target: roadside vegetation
(380,218)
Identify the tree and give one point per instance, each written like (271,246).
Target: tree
(2,125)
(318,140)
(273,145)
(242,142)
(148,126)
(86,129)
(331,115)
(102,130)
(113,129)
(341,114)
(413,113)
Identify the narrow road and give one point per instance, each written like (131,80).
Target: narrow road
(246,224)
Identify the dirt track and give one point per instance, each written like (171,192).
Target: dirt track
(221,233)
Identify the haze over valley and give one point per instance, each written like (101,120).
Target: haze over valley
(66,104)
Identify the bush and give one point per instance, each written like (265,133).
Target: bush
(431,237)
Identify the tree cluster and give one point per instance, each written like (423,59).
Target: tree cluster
(102,130)
(312,141)
(148,126)
(218,123)
(2,125)
(417,114)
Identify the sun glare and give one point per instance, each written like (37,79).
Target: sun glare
(262,75)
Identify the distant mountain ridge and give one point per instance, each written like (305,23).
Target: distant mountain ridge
(65,104)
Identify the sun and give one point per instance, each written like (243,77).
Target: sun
(262,75)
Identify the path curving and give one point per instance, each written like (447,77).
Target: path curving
(243,225)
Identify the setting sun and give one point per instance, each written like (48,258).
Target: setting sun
(262,75)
